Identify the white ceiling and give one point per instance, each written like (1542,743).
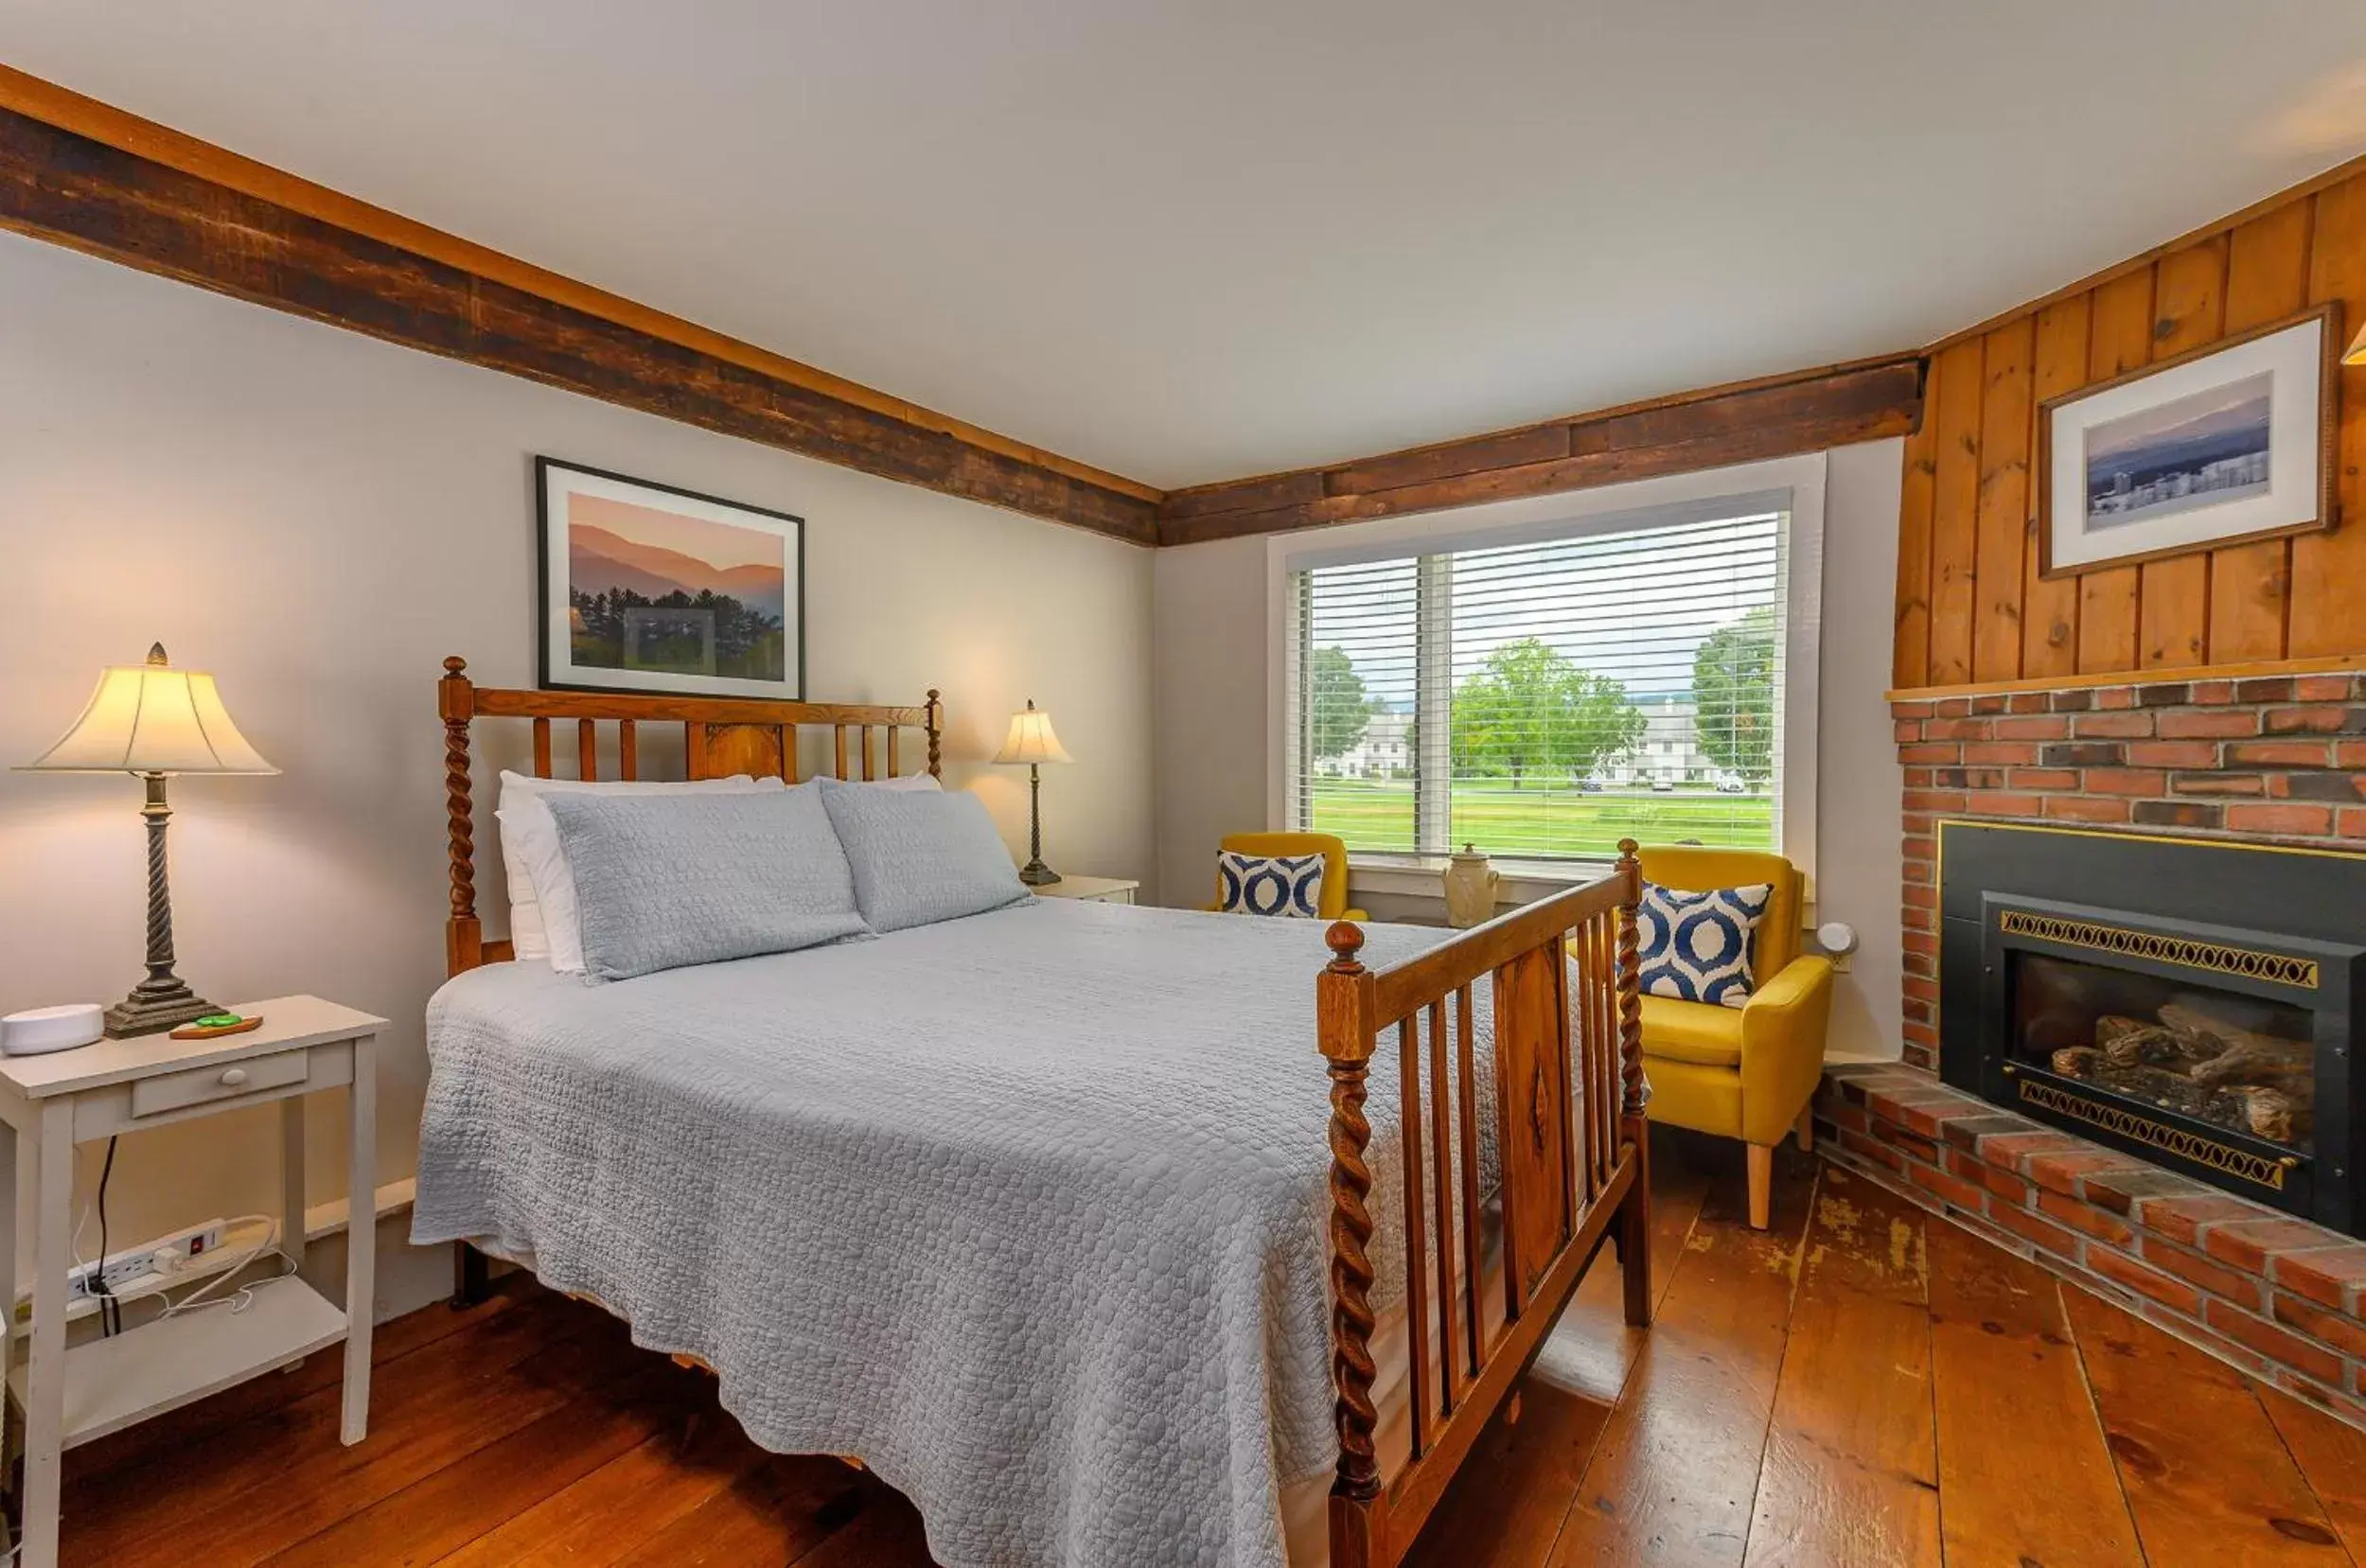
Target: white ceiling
(1196,241)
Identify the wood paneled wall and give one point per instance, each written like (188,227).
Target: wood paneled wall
(1972,609)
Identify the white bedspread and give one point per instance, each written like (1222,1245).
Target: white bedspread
(1024,1209)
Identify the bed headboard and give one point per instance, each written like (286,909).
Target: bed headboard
(720,736)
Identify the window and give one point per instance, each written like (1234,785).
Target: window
(1544,690)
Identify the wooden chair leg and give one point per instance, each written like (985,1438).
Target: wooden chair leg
(1806,1129)
(1761,1184)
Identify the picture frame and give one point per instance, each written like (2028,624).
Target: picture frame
(2226,444)
(646,586)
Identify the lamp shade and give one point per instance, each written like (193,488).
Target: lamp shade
(152,718)
(2357,353)
(1031,739)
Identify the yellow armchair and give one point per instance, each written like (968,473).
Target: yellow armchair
(1333,850)
(1747,1072)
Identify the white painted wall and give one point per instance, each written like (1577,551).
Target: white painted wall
(1213,628)
(1209,708)
(319,518)
(1859,786)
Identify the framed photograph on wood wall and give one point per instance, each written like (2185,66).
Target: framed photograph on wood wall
(650,588)
(2229,443)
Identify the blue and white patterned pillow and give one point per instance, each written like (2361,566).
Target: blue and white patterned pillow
(1271,885)
(1697,947)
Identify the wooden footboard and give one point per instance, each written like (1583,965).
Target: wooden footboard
(1569,1132)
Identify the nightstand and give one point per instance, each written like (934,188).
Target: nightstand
(1091,889)
(95,1092)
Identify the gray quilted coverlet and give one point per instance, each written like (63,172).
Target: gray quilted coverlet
(667,880)
(1025,1210)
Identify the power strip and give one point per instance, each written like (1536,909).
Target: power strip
(164,1256)
(134,1272)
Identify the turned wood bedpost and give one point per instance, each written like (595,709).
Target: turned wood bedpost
(1635,1221)
(464,935)
(1342,1013)
(935,711)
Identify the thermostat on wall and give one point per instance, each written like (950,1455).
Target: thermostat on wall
(47,1029)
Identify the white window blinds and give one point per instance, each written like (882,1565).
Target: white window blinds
(1545,699)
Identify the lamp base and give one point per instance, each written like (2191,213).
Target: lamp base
(152,1008)
(1037,874)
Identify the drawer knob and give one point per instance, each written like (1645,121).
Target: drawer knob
(233,1077)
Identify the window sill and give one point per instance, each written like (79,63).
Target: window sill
(1523,881)
(1421,876)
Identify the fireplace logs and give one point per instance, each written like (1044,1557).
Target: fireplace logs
(2185,1060)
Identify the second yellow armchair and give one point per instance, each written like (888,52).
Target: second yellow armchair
(1333,850)
(1746,1072)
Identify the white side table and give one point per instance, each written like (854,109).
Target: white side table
(1091,889)
(72,1396)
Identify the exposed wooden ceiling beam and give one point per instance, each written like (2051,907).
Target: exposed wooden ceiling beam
(79,173)
(83,174)
(1776,417)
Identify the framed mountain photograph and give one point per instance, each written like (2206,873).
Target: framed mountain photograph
(649,589)
(2230,443)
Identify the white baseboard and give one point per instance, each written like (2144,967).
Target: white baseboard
(1845,1058)
(328,1219)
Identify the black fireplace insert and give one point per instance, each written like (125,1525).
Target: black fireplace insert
(2194,1002)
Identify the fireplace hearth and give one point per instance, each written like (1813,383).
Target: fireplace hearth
(2192,1002)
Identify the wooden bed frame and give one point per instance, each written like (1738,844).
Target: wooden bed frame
(1573,1160)
(1567,1060)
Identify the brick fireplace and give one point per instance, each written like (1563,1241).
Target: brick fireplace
(2165,1209)
(2191,1001)
(2275,759)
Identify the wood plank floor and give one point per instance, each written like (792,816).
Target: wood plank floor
(1861,1385)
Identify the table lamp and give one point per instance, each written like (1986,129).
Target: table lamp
(155,721)
(1031,741)
(2357,353)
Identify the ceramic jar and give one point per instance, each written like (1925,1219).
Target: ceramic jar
(1471,885)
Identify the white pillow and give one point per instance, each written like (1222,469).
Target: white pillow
(543,919)
(909,782)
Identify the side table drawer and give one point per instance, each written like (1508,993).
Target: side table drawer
(203,1086)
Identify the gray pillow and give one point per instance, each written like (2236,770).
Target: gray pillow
(919,855)
(667,880)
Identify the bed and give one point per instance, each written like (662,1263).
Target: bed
(1041,1212)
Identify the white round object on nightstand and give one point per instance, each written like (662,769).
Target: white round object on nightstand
(1837,938)
(47,1029)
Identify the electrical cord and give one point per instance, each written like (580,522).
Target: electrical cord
(74,1243)
(244,1297)
(110,1309)
(82,1268)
